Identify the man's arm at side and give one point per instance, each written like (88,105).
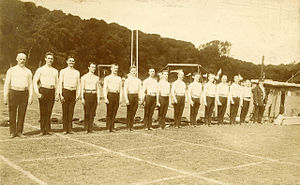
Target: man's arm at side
(7,86)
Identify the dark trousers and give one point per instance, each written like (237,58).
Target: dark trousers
(68,108)
(209,108)
(222,109)
(131,109)
(178,110)
(111,109)
(89,107)
(150,103)
(194,110)
(258,113)
(46,103)
(244,111)
(234,109)
(17,101)
(162,111)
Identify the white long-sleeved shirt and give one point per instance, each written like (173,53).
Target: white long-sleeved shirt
(210,89)
(195,89)
(112,83)
(164,88)
(222,90)
(178,88)
(235,91)
(132,85)
(69,78)
(246,93)
(150,86)
(47,76)
(19,78)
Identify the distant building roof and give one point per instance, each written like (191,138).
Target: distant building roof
(285,86)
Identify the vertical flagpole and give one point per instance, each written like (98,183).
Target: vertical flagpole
(131,48)
(137,53)
(262,68)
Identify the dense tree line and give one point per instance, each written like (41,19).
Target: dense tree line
(36,29)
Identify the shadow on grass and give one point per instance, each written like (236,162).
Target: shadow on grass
(79,126)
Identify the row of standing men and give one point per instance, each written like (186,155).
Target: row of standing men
(69,88)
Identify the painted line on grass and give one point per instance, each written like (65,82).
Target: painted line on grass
(212,147)
(200,173)
(146,148)
(161,180)
(61,157)
(27,139)
(26,173)
(224,149)
(139,159)
(145,161)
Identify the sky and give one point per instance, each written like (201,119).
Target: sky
(254,27)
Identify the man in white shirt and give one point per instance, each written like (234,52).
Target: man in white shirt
(90,96)
(235,97)
(209,94)
(222,98)
(194,96)
(150,89)
(132,93)
(45,83)
(69,91)
(18,92)
(178,93)
(112,91)
(246,96)
(164,90)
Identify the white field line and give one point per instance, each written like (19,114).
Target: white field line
(161,180)
(200,173)
(27,139)
(61,157)
(26,173)
(146,148)
(212,147)
(223,149)
(210,180)
(139,159)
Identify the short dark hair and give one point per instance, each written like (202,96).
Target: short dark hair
(151,68)
(114,64)
(132,67)
(92,63)
(163,71)
(49,53)
(70,56)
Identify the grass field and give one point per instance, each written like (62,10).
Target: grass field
(242,154)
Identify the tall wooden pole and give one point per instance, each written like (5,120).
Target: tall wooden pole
(262,68)
(131,48)
(137,53)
